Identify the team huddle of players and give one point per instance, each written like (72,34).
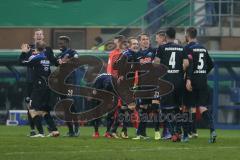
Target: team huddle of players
(187,69)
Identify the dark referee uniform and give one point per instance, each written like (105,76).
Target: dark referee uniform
(172,55)
(200,65)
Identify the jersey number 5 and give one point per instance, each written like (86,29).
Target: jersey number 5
(200,61)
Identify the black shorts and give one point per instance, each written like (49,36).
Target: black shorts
(173,99)
(196,98)
(150,106)
(40,96)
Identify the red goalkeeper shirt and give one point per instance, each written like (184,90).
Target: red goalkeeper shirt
(113,57)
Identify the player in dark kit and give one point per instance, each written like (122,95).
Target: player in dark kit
(145,106)
(27,51)
(160,38)
(66,54)
(196,80)
(39,103)
(174,57)
(103,82)
(121,45)
(191,111)
(129,55)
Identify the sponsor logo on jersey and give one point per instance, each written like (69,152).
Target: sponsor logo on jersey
(173,49)
(199,50)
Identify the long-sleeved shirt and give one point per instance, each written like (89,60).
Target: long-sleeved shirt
(113,57)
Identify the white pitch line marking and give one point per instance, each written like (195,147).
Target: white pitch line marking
(126,150)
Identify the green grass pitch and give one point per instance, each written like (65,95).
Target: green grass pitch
(15,145)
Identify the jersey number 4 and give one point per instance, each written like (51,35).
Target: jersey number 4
(172,60)
(200,61)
